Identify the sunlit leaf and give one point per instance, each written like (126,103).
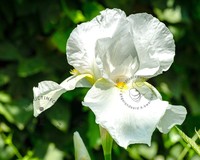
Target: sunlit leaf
(29,156)
(22,112)
(187,148)
(4,97)
(172,15)
(133,153)
(4,111)
(138,151)
(4,127)
(17,113)
(7,152)
(176,149)
(198,133)
(59,39)
(53,153)
(4,78)
(189,141)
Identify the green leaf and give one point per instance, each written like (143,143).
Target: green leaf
(139,151)
(4,78)
(93,132)
(6,151)
(4,128)
(76,16)
(107,142)
(172,15)
(177,31)
(49,16)
(177,148)
(92,9)
(198,133)
(148,152)
(192,100)
(22,111)
(59,116)
(4,111)
(59,39)
(196,11)
(8,12)
(53,153)
(32,66)
(133,152)
(187,148)
(8,51)
(17,113)
(29,156)
(4,97)
(189,141)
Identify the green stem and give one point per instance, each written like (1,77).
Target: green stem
(187,148)
(107,142)
(8,141)
(189,141)
(108,157)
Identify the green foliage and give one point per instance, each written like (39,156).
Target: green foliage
(190,141)
(33,36)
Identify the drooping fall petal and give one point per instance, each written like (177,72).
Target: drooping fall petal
(174,115)
(47,92)
(127,122)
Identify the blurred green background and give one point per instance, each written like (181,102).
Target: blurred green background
(33,35)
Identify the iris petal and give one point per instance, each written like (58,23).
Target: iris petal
(125,124)
(45,95)
(82,41)
(106,51)
(174,115)
(117,55)
(154,44)
(47,92)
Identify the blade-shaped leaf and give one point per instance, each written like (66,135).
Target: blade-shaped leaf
(189,141)
(198,133)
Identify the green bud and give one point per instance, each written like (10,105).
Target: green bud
(81,152)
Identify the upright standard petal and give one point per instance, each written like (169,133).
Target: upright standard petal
(174,115)
(47,92)
(129,121)
(154,44)
(116,56)
(82,41)
(80,46)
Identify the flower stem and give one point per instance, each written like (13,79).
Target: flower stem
(107,142)
(8,141)
(108,157)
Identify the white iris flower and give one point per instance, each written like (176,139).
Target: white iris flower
(115,55)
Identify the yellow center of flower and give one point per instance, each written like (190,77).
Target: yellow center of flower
(74,72)
(121,85)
